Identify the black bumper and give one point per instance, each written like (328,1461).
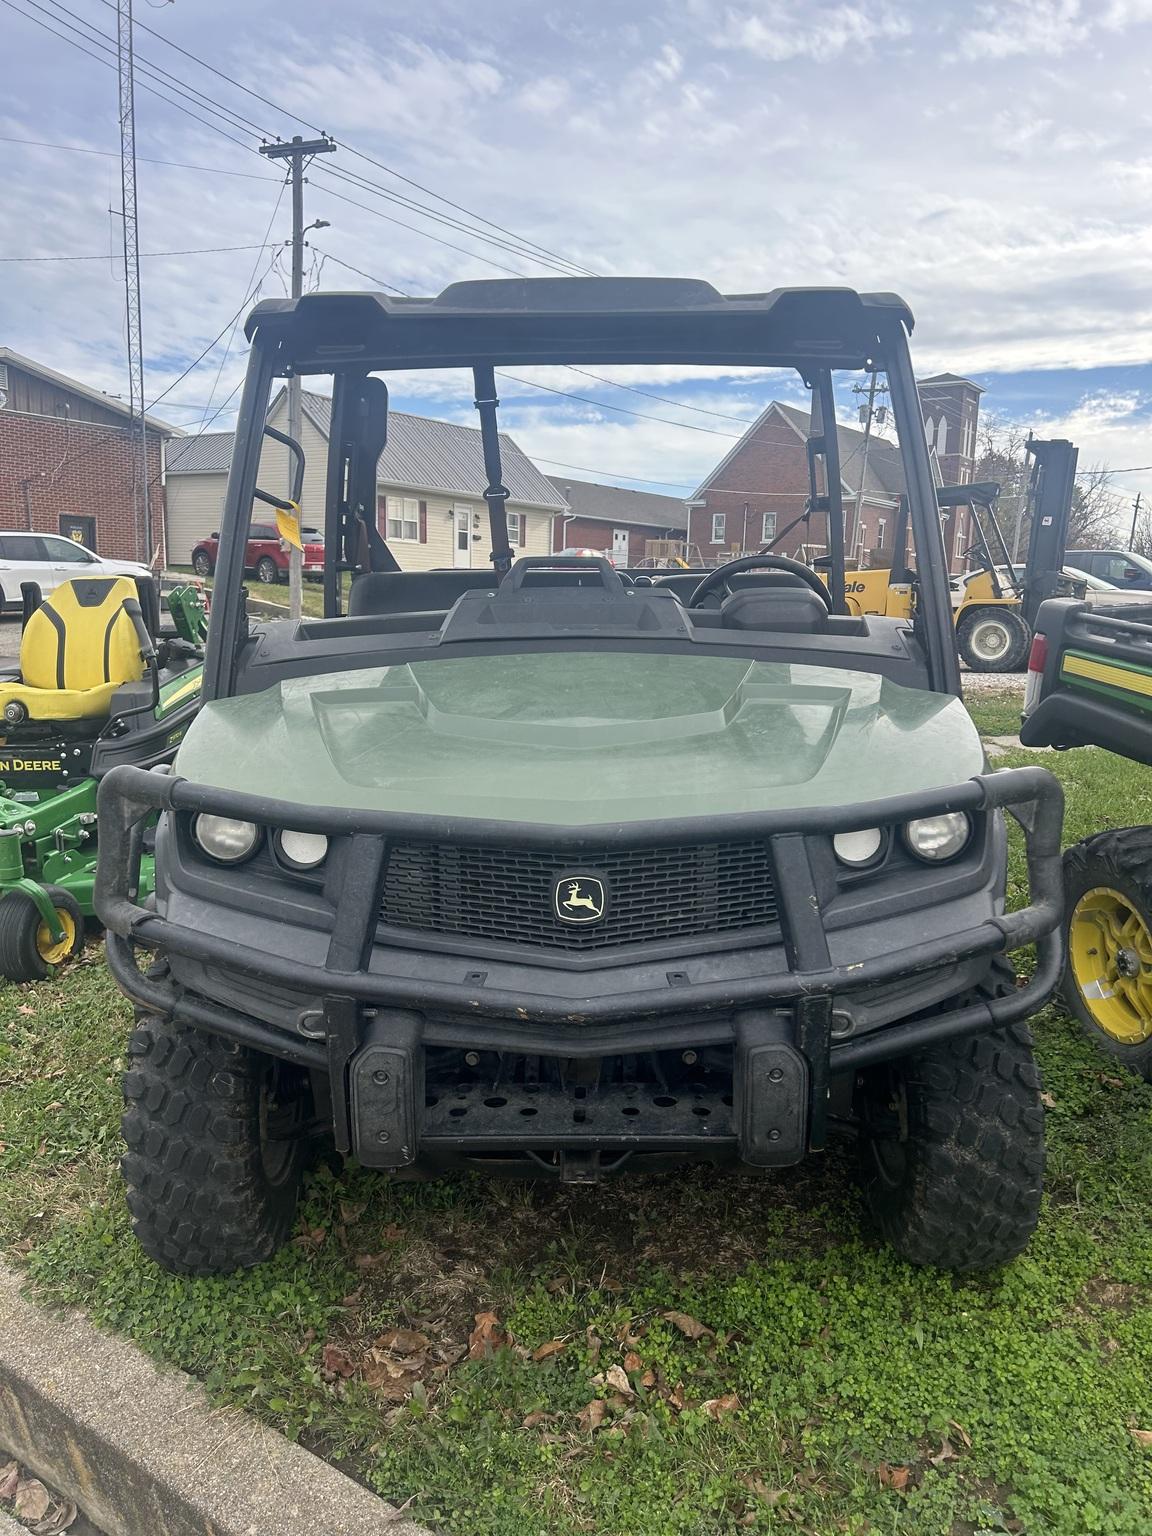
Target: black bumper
(779,1024)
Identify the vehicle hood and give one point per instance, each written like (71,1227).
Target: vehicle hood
(578,739)
(125,568)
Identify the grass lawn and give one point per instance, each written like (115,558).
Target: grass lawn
(312,596)
(666,1356)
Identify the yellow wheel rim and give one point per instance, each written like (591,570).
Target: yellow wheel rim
(1110,956)
(47,948)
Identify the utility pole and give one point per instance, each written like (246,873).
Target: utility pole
(141,521)
(296,152)
(858,504)
(1135,516)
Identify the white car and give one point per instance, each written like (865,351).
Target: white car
(48,559)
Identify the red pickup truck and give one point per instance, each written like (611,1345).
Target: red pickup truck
(266,557)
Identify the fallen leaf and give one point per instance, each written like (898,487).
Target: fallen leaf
(1048,1101)
(402,1341)
(618,1381)
(57,1520)
(452,1354)
(33,1500)
(648,1379)
(535,1419)
(552,1347)
(676,1398)
(1112,1082)
(632,1362)
(9,1477)
(591,1416)
(486,1337)
(335,1361)
(688,1326)
(719,1407)
(945,1453)
(757,1485)
(366,1262)
(353,1298)
(352,1210)
(962,1432)
(1143,1437)
(595,1345)
(895,1478)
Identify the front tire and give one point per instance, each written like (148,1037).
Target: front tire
(993,640)
(267,571)
(952,1150)
(28,951)
(216,1148)
(1107,983)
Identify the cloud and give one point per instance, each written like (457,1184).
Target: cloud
(784,29)
(1015,28)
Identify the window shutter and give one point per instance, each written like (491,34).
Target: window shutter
(523,528)
(423,522)
(382,515)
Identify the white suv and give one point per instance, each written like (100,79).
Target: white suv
(48,559)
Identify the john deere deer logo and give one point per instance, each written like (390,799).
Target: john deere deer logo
(579,898)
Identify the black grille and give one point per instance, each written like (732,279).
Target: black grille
(506,895)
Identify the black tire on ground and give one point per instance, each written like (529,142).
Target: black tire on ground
(993,640)
(27,952)
(202,563)
(952,1150)
(212,1188)
(267,571)
(1119,861)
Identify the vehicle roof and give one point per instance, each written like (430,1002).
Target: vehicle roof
(593,319)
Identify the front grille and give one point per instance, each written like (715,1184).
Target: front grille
(506,895)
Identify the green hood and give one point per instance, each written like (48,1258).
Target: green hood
(580,738)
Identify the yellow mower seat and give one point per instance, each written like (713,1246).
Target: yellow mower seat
(77,648)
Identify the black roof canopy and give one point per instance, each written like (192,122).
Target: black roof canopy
(579,319)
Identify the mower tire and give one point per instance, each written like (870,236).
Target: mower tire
(28,951)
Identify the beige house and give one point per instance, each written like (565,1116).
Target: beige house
(431,481)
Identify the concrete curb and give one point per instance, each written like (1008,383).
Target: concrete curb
(142,1451)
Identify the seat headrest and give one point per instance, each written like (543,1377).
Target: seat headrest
(790,609)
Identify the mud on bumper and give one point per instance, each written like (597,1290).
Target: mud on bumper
(450,1070)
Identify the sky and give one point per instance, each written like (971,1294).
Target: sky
(990,162)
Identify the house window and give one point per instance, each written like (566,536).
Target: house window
(403,518)
(717,527)
(514,527)
(960,538)
(881,525)
(768,530)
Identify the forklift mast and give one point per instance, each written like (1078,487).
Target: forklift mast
(1050,489)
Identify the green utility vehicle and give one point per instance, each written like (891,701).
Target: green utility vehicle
(535,869)
(1090,684)
(97,683)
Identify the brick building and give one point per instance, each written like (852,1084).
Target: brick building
(618,521)
(66,461)
(761,486)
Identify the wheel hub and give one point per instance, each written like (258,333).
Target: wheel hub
(1110,958)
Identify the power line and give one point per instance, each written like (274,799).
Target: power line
(476,256)
(683,426)
(111,154)
(612,474)
(108,64)
(515,249)
(203,250)
(664,399)
(359,154)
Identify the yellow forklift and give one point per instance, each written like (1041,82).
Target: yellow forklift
(995,604)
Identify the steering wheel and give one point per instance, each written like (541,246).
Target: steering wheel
(719,577)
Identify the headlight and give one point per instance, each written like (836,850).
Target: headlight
(856,848)
(302,850)
(225,839)
(936,838)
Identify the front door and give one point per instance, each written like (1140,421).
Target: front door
(462,536)
(620,546)
(81,530)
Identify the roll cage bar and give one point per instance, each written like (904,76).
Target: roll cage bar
(480,325)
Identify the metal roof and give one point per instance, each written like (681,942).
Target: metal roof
(613,504)
(210,453)
(440,457)
(73,386)
(445,458)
